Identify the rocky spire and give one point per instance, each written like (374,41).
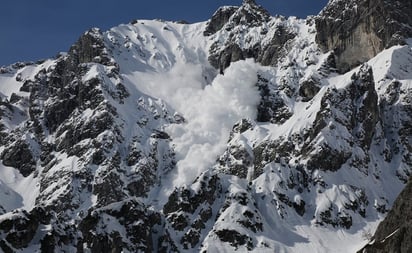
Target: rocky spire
(248,13)
(359,29)
(219,19)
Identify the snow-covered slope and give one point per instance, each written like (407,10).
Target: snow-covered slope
(235,134)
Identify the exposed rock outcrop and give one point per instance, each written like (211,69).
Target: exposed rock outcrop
(233,23)
(356,109)
(359,29)
(19,155)
(394,233)
(98,156)
(219,19)
(189,211)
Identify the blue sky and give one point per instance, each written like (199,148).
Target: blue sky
(32,30)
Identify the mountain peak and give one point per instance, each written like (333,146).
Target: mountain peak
(249,2)
(133,141)
(249,13)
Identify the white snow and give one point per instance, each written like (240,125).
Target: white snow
(164,67)
(18,191)
(9,83)
(210,104)
(210,114)
(169,62)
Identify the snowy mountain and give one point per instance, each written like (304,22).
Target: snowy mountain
(394,233)
(245,132)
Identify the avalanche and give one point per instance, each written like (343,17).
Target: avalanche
(236,134)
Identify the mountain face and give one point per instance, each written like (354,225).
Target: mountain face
(394,233)
(246,132)
(359,30)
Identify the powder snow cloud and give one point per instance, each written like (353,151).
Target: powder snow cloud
(210,111)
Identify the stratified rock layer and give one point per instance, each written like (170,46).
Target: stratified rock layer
(357,30)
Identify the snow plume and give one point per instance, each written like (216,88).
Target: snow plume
(210,111)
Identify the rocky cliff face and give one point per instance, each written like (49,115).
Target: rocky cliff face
(238,133)
(394,233)
(358,30)
(266,38)
(73,101)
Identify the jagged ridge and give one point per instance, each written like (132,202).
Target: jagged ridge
(98,137)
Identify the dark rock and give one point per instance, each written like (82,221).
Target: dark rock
(272,52)
(98,157)
(71,135)
(46,153)
(68,93)
(309,88)
(242,126)
(182,22)
(345,221)
(19,65)
(145,181)
(20,229)
(231,53)
(179,221)
(14,98)
(272,107)
(219,19)
(328,159)
(236,161)
(247,16)
(136,220)
(191,237)
(188,201)
(109,190)
(299,207)
(367,110)
(26,86)
(18,155)
(5,247)
(206,214)
(166,244)
(47,244)
(250,14)
(188,211)
(235,239)
(122,92)
(106,243)
(251,221)
(95,203)
(65,89)
(89,48)
(5,70)
(335,218)
(157,134)
(7,105)
(359,29)
(18,77)
(133,157)
(271,151)
(147,165)
(394,233)
(266,55)
(355,108)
